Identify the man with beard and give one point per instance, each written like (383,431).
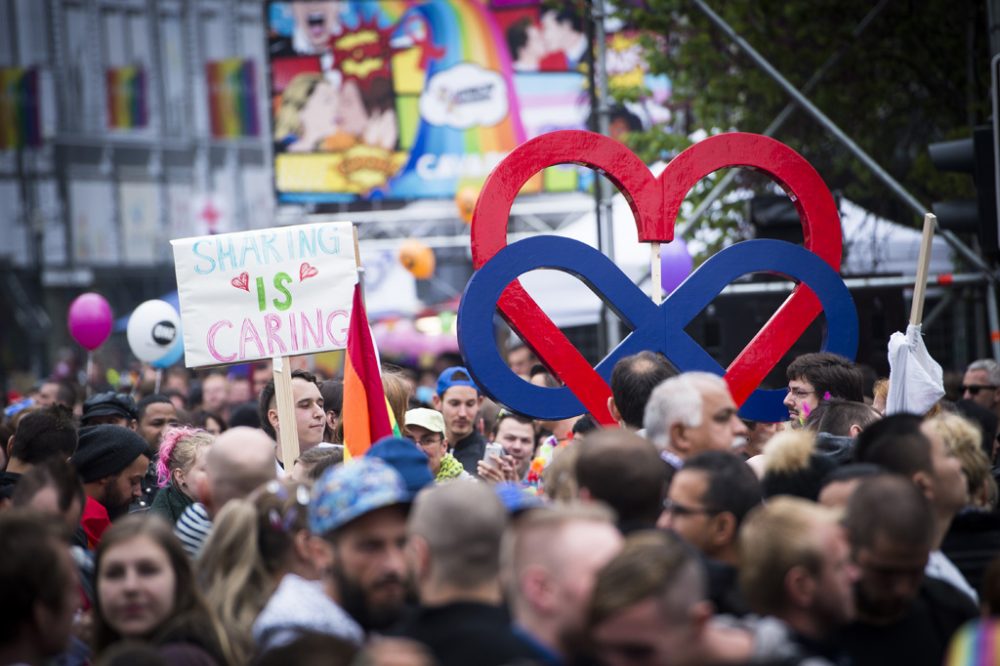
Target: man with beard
(111,461)
(903,616)
(359,510)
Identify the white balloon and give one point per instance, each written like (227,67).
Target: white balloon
(152,330)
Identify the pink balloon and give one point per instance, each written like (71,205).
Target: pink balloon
(675,264)
(89,320)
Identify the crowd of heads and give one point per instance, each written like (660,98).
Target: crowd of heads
(142,526)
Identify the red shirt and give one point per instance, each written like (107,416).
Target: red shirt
(94,521)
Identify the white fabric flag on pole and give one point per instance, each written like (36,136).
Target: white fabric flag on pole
(916,381)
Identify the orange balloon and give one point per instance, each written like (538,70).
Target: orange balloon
(417,258)
(465,200)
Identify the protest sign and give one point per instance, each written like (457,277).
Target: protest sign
(267,293)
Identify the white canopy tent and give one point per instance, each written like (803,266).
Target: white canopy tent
(872,246)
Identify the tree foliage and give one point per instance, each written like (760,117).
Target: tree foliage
(918,73)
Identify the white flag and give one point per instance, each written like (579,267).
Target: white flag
(916,381)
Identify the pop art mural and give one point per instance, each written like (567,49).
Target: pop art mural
(417,99)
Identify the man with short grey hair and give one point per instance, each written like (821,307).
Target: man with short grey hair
(981,384)
(453,551)
(691,413)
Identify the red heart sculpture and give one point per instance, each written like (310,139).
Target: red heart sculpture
(307,271)
(241,281)
(655,203)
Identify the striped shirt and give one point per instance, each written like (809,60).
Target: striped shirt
(193,528)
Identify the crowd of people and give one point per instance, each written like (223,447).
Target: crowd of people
(145,527)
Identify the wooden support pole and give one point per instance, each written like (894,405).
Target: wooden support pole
(288,432)
(923,264)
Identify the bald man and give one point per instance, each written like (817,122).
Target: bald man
(238,461)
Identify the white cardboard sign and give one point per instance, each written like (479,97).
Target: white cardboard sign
(260,294)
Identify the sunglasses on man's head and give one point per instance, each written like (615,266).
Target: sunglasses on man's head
(974,389)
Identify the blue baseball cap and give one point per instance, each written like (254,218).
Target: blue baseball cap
(347,492)
(447,379)
(515,498)
(407,459)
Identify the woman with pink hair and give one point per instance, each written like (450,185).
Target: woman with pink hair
(179,470)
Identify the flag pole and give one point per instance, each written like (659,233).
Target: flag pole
(923,264)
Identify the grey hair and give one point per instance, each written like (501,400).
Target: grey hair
(991,367)
(676,400)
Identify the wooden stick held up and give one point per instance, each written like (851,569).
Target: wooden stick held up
(288,432)
(923,264)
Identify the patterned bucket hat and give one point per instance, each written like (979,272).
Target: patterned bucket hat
(347,492)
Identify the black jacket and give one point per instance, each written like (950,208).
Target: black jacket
(466,633)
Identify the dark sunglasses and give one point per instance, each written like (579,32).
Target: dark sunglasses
(974,389)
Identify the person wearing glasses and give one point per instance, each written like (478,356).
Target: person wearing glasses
(820,376)
(426,428)
(981,384)
(705,505)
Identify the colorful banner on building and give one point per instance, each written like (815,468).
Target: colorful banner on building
(416,99)
(20,118)
(260,294)
(126,97)
(232,98)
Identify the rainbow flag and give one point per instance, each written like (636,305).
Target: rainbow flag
(366,411)
(232,98)
(126,88)
(20,125)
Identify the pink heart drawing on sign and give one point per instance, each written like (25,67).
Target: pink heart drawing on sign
(241,281)
(307,271)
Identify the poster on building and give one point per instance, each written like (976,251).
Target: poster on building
(417,99)
(259,294)
(20,116)
(232,98)
(125,89)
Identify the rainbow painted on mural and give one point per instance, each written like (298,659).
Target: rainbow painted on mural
(19,116)
(464,32)
(427,97)
(232,98)
(126,97)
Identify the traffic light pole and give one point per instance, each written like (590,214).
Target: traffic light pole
(894,186)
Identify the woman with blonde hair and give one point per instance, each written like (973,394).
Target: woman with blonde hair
(306,115)
(181,462)
(258,545)
(973,537)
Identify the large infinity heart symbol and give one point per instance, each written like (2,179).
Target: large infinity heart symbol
(655,203)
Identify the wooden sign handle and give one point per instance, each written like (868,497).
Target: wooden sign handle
(923,264)
(288,432)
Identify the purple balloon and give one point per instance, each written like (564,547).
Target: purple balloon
(89,320)
(675,264)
